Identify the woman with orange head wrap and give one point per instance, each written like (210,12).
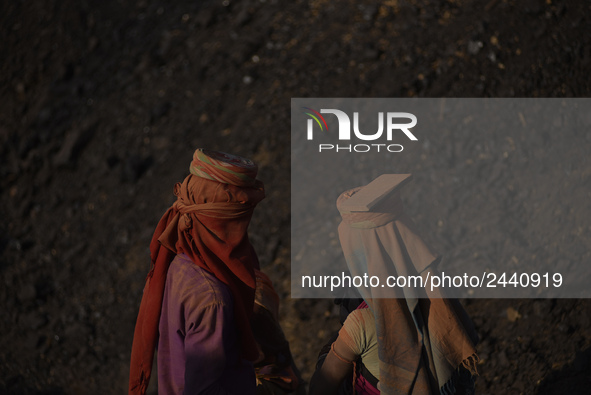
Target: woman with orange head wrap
(199,293)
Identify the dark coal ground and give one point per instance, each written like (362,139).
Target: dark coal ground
(103,104)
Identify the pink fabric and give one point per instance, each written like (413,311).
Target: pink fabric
(364,387)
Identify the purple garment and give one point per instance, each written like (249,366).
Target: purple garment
(198,352)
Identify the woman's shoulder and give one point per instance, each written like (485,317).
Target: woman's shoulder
(194,283)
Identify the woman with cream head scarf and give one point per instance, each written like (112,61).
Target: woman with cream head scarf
(426,343)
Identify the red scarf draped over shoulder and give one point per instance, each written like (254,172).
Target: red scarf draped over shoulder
(208,222)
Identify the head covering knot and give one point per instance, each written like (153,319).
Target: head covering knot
(224,168)
(385,212)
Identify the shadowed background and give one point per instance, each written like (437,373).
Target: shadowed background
(103,105)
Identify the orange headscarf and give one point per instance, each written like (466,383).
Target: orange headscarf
(208,222)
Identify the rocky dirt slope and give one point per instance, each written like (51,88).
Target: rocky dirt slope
(103,103)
